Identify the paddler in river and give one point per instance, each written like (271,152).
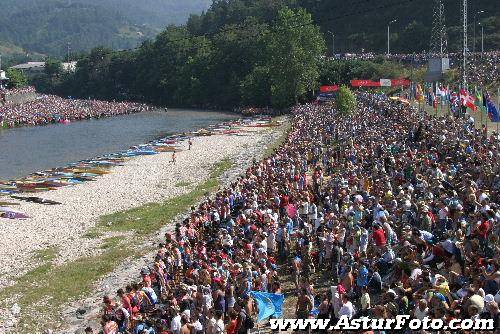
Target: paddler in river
(174,158)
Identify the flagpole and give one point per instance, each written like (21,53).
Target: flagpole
(487,116)
(480,109)
(498,106)
(434,102)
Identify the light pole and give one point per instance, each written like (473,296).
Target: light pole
(474,46)
(388,36)
(482,39)
(333,43)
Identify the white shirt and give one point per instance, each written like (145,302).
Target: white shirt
(419,314)
(347,309)
(175,325)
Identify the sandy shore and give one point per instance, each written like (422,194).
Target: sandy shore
(141,180)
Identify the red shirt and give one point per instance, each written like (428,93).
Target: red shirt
(482,230)
(284,201)
(379,237)
(232,327)
(126,303)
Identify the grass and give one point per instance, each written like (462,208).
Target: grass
(149,218)
(60,284)
(46,254)
(182,184)
(480,117)
(92,235)
(70,281)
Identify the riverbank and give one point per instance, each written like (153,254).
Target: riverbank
(60,238)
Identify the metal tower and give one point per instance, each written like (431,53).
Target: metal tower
(439,40)
(439,62)
(464,51)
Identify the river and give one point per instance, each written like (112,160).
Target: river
(29,149)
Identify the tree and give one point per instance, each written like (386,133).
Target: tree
(346,101)
(294,49)
(53,67)
(17,79)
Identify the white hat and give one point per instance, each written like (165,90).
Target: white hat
(489,298)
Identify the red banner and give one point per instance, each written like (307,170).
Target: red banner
(380,83)
(365,83)
(400,82)
(326,89)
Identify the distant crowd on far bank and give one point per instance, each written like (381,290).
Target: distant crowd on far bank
(49,109)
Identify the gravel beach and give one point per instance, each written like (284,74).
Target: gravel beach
(141,180)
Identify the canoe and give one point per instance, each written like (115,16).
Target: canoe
(8,203)
(141,152)
(37,200)
(8,213)
(167,149)
(89,170)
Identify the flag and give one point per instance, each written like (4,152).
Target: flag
(269,304)
(442,91)
(493,112)
(419,93)
(467,100)
(479,98)
(453,98)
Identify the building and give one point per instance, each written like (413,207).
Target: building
(3,79)
(35,67)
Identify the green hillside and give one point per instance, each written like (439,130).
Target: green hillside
(48,26)
(154,13)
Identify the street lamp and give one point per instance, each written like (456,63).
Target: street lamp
(474,47)
(388,36)
(482,39)
(333,43)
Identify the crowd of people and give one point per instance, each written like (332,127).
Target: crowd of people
(22,90)
(48,109)
(484,69)
(393,211)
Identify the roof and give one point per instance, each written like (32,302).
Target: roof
(30,65)
(69,67)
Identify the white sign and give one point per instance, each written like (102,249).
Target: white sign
(385,82)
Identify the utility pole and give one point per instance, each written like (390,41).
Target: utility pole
(482,39)
(464,51)
(389,37)
(69,52)
(333,43)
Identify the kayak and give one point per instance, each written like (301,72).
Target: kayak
(141,152)
(8,203)
(167,149)
(37,200)
(6,212)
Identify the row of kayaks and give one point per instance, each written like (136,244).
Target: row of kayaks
(89,170)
